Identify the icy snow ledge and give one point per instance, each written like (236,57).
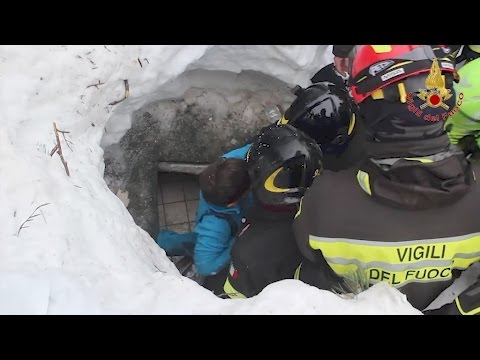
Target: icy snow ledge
(83,253)
(58,292)
(295,297)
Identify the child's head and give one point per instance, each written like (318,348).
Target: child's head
(225,181)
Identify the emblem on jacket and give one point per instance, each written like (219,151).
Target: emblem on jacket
(435,92)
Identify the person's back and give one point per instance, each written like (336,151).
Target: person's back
(263,253)
(415,251)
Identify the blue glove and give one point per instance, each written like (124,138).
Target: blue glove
(176,244)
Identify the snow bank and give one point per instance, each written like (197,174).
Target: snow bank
(81,252)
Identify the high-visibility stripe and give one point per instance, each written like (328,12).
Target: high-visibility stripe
(351,126)
(400,64)
(403,92)
(361,79)
(282,121)
(231,291)
(247,156)
(475,48)
(297,272)
(381,48)
(299,208)
(378,94)
(364,180)
(423,160)
(463,312)
(400,262)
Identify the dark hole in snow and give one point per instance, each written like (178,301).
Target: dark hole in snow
(177,210)
(213,112)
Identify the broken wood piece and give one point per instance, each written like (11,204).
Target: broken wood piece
(96,85)
(58,148)
(127,93)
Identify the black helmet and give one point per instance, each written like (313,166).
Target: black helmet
(282,163)
(325,112)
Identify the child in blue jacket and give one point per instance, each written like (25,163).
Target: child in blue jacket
(224,198)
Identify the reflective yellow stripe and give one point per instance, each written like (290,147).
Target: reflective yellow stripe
(269,183)
(471,312)
(400,262)
(400,64)
(378,94)
(364,180)
(361,79)
(403,93)
(475,48)
(247,157)
(351,125)
(401,277)
(421,159)
(231,292)
(381,48)
(282,121)
(297,272)
(299,208)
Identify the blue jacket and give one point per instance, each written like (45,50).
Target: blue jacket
(212,239)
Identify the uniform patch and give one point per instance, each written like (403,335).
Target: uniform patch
(233,272)
(392,74)
(446,65)
(378,67)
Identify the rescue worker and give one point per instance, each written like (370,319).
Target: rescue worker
(408,216)
(326,113)
(463,128)
(281,158)
(282,163)
(343,55)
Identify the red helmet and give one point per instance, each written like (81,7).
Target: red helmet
(377,66)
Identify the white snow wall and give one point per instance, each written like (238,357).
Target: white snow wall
(83,253)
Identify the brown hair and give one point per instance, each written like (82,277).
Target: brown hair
(224,181)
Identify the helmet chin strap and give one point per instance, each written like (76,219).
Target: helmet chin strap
(301,188)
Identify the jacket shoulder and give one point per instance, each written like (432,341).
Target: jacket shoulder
(214,227)
(239,153)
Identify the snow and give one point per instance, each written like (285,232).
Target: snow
(82,253)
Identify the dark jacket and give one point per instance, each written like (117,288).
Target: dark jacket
(265,252)
(341,229)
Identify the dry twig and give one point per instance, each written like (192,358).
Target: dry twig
(96,85)
(30,218)
(58,148)
(127,93)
